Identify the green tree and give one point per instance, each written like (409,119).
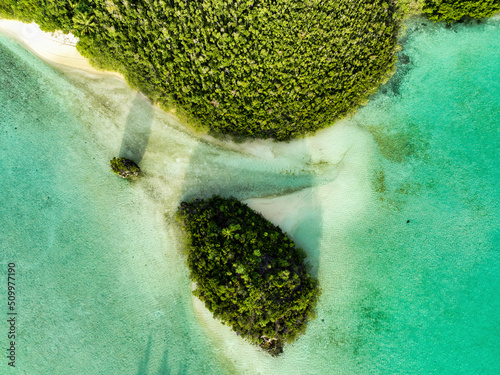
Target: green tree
(84,23)
(124,167)
(248,272)
(262,69)
(454,10)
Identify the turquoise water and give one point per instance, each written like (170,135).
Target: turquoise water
(396,207)
(437,127)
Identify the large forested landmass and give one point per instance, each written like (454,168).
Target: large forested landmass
(248,272)
(455,10)
(248,68)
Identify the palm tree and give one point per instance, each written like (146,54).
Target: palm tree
(84,23)
(228,233)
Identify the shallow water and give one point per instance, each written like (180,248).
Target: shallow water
(396,207)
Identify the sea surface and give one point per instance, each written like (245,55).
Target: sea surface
(397,207)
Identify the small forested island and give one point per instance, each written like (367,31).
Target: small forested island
(125,168)
(254,69)
(249,274)
(455,10)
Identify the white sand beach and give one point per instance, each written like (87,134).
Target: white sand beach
(56,48)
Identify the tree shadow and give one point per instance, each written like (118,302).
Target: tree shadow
(308,230)
(214,170)
(137,129)
(143,365)
(165,368)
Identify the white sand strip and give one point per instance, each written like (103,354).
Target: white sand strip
(56,48)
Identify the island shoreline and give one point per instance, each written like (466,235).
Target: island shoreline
(56,50)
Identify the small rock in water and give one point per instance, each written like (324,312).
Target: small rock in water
(124,167)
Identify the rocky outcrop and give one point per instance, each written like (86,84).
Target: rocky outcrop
(125,168)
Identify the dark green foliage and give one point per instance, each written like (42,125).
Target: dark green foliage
(247,272)
(454,10)
(253,68)
(124,168)
(50,15)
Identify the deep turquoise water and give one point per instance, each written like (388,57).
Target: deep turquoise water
(397,207)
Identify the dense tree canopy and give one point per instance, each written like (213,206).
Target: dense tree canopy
(49,14)
(247,272)
(252,68)
(454,10)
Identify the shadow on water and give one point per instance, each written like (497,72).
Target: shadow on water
(137,129)
(143,365)
(165,368)
(308,230)
(213,170)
